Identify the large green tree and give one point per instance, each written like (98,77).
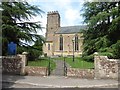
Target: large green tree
(102,35)
(36,50)
(14,29)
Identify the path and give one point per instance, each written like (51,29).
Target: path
(59,70)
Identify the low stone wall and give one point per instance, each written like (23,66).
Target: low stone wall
(11,65)
(106,68)
(81,73)
(36,71)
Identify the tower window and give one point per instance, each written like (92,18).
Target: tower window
(61,42)
(48,46)
(76,43)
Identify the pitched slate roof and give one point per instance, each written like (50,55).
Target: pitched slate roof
(71,29)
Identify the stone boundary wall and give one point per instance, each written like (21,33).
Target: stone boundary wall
(16,65)
(11,65)
(36,71)
(80,73)
(106,68)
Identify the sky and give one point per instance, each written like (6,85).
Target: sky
(69,11)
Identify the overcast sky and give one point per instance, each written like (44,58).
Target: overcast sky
(69,11)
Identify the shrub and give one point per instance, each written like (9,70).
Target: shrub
(116,49)
(108,54)
(89,58)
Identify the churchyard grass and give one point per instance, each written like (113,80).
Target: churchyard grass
(42,62)
(78,62)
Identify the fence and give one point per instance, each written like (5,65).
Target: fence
(49,67)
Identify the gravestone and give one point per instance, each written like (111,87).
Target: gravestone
(12,48)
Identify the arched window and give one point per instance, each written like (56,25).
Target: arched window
(76,43)
(61,42)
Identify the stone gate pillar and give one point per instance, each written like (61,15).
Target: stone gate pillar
(23,62)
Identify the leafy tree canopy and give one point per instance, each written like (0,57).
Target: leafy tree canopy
(103,33)
(13,26)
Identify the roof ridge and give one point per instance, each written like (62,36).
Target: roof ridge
(73,26)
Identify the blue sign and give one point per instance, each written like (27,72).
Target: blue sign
(12,48)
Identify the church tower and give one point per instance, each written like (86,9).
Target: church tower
(53,24)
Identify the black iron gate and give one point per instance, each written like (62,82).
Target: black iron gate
(65,68)
(60,70)
(49,67)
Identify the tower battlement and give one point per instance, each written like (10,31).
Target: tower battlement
(53,12)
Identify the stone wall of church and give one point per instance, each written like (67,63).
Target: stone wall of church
(48,52)
(67,45)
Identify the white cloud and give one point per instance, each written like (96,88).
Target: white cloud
(70,14)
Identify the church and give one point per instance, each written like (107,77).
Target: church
(62,41)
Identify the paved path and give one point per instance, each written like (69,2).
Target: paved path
(59,70)
(59,82)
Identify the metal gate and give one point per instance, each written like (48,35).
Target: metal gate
(60,70)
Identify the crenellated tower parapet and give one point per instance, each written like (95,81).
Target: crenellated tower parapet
(53,12)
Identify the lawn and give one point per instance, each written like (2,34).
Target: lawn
(78,62)
(43,62)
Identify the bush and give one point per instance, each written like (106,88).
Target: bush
(33,54)
(89,58)
(45,54)
(116,50)
(108,54)
(103,49)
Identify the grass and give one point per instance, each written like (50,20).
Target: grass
(78,62)
(43,62)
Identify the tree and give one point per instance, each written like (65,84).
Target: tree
(13,26)
(103,21)
(36,50)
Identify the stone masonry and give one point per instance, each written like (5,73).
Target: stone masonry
(54,31)
(80,73)
(17,65)
(36,71)
(11,65)
(106,68)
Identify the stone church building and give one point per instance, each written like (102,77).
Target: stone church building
(62,41)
